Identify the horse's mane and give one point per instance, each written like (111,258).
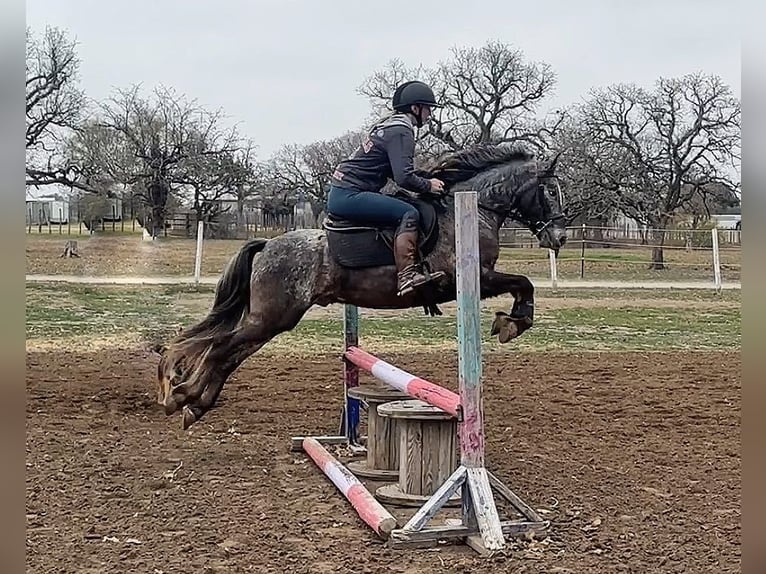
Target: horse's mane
(455,167)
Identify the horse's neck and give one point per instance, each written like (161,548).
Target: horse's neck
(487,217)
(497,191)
(495,206)
(491,219)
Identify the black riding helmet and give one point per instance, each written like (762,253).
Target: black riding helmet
(414,93)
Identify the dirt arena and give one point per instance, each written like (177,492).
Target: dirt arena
(635,459)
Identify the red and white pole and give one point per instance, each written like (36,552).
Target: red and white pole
(428,392)
(368,509)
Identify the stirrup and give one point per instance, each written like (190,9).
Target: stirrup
(431,276)
(411,278)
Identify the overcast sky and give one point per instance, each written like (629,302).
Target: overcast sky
(287,70)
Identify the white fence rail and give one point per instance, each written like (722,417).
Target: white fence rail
(592,256)
(709,257)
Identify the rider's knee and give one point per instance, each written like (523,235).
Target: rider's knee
(410,220)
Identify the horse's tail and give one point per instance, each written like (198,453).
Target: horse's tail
(232,294)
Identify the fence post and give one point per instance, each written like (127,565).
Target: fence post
(198,255)
(554,271)
(716,259)
(582,253)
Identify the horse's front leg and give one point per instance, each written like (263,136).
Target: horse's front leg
(505,326)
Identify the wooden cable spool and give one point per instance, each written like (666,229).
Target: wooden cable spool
(427,452)
(382,462)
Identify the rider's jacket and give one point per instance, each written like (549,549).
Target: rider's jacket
(386,152)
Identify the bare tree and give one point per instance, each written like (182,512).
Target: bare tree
(54,106)
(244,179)
(154,145)
(585,199)
(708,200)
(305,171)
(491,94)
(101,156)
(655,149)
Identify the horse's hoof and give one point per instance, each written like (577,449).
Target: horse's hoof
(508,331)
(499,318)
(169,405)
(188,418)
(504,327)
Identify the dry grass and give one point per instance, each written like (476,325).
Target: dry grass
(624,263)
(129,255)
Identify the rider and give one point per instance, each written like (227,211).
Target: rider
(387,152)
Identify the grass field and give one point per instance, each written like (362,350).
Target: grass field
(578,320)
(127,255)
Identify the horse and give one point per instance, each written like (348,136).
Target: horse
(258,298)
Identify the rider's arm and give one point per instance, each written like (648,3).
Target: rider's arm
(400,145)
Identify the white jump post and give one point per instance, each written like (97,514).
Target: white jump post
(198,254)
(348,426)
(480,525)
(478,503)
(716,259)
(554,269)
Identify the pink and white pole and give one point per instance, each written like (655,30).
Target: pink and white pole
(368,509)
(405,382)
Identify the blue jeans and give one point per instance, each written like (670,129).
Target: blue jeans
(367,207)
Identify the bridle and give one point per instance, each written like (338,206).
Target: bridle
(540,225)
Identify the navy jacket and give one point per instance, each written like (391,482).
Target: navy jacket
(386,152)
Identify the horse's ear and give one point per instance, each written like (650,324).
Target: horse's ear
(552,164)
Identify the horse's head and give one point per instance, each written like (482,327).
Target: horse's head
(175,372)
(539,205)
(511,183)
(170,374)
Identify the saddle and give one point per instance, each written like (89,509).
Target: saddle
(358,244)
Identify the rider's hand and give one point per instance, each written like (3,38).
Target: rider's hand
(437,185)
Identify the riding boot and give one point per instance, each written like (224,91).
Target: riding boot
(410,275)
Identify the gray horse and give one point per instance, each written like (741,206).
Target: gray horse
(349,262)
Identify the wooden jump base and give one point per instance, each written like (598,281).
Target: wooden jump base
(382,462)
(369,510)
(480,525)
(427,452)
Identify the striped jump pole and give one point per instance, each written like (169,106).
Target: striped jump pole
(405,382)
(368,509)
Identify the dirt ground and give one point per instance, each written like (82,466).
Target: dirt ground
(635,459)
